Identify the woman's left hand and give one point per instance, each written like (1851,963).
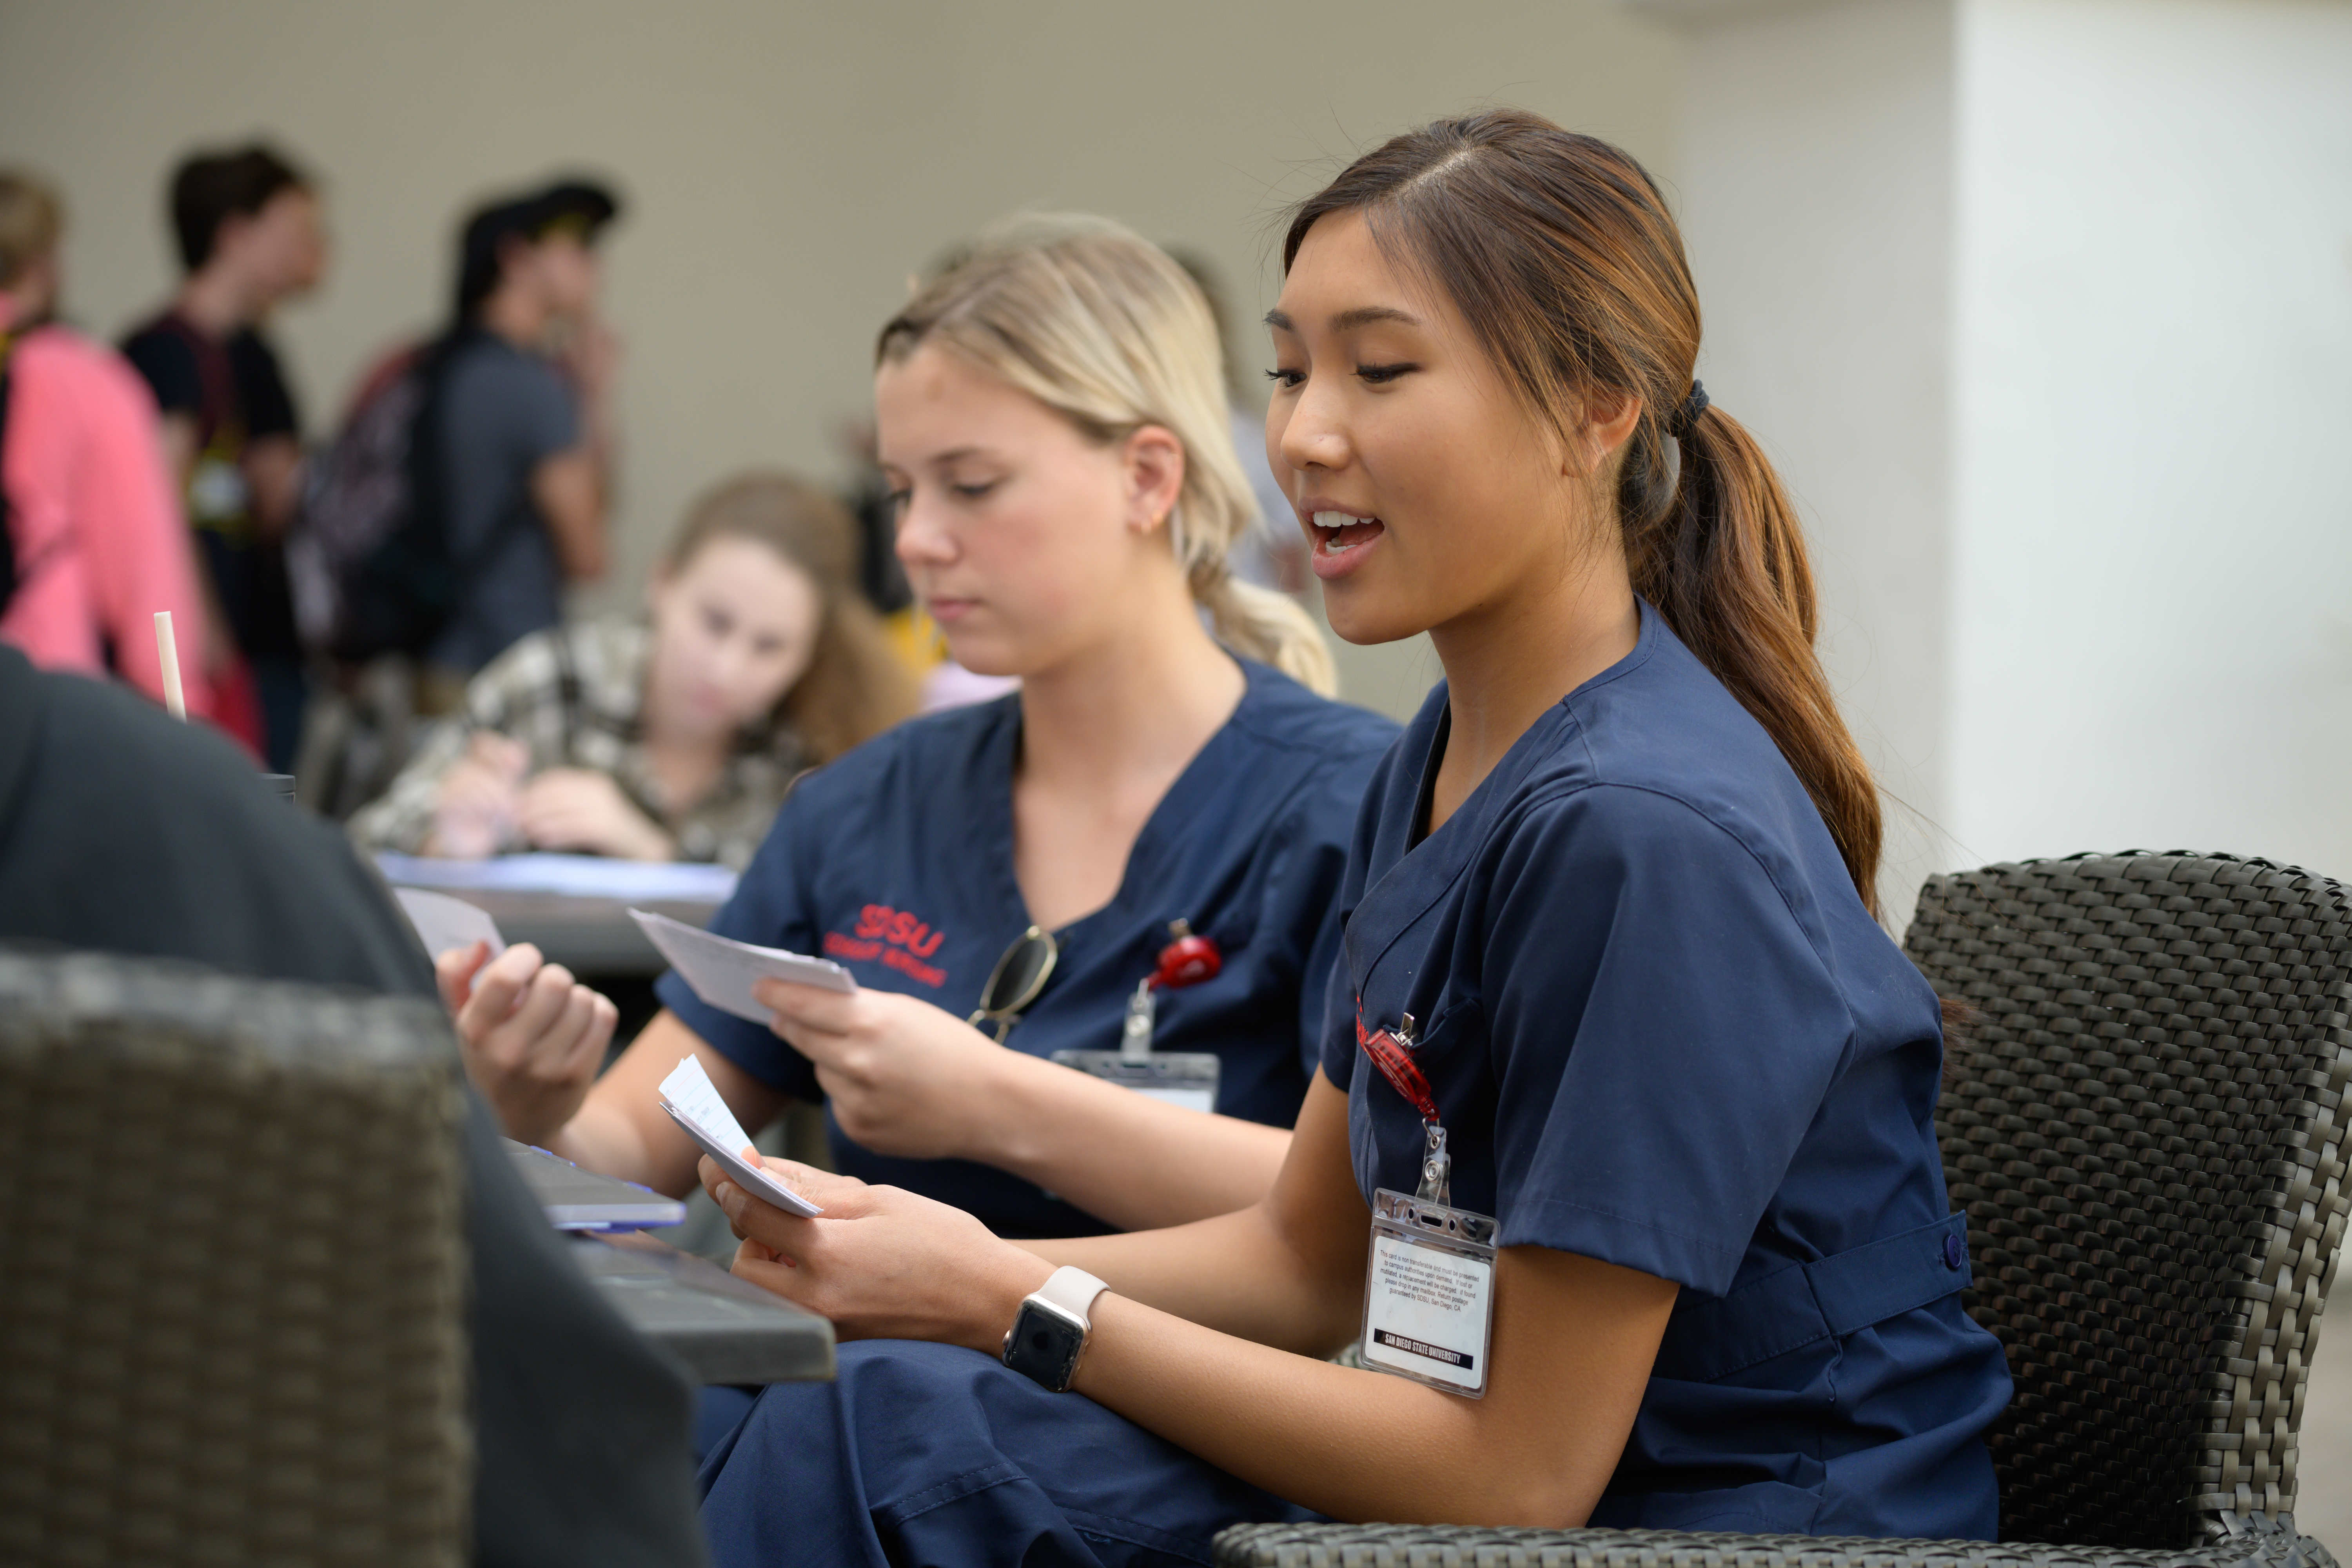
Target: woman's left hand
(902,1076)
(880,1262)
(581,809)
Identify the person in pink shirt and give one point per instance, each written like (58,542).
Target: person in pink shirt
(91,511)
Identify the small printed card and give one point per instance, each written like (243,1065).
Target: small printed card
(721,969)
(443,922)
(693,1102)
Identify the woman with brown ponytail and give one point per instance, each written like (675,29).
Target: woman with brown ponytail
(1620,1157)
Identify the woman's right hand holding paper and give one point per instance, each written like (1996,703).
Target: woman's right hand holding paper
(533,1036)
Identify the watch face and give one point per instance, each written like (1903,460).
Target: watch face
(1044,1345)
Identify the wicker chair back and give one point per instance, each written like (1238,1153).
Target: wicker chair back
(232,1274)
(2145,1120)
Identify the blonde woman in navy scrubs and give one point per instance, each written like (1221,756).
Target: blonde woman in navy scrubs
(1160,812)
(1620,1140)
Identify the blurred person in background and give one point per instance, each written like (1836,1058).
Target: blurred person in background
(520,431)
(246,223)
(672,735)
(93,544)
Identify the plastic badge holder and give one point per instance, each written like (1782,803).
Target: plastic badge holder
(1429,1293)
(1187,1079)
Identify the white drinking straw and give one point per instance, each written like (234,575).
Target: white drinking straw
(169,653)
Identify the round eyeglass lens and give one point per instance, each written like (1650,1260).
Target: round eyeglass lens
(1021,974)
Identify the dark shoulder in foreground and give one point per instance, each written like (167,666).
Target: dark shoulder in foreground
(90,858)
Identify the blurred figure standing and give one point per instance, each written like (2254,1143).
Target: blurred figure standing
(93,542)
(520,427)
(248,225)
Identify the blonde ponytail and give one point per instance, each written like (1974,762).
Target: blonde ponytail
(1100,325)
(1261,624)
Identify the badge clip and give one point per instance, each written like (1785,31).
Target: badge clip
(1187,1079)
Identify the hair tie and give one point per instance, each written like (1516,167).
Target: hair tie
(1679,424)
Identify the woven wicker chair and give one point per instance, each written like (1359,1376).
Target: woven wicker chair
(2145,1121)
(232,1272)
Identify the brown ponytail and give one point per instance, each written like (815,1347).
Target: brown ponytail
(1560,252)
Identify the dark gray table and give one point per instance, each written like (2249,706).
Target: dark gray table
(587,936)
(722,1329)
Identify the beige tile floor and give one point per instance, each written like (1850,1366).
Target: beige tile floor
(2324,1467)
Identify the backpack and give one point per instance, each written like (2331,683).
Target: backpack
(373,572)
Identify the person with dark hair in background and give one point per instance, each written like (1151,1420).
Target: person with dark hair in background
(93,545)
(518,426)
(247,224)
(124,832)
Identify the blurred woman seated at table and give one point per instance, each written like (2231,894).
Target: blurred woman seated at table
(674,735)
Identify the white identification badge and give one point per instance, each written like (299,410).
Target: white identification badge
(1429,1293)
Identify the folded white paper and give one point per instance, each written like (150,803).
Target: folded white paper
(443,922)
(693,1102)
(722,969)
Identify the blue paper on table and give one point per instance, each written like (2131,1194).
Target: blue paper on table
(581,876)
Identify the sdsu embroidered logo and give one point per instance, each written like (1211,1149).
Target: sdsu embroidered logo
(894,938)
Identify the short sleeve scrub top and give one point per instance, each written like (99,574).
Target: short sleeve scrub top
(896,862)
(1663,1032)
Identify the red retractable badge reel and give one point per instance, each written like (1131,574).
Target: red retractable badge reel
(1186,960)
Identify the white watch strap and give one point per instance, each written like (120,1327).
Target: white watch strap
(1071,1291)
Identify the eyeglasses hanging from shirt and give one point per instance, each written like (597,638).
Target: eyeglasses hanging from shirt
(1016,981)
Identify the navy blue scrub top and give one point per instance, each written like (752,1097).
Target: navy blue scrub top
(897,861)
(1663,1032)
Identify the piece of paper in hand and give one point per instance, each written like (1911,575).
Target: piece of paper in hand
(693,1102)
(721,969)
(443,922)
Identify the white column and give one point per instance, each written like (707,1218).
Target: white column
(2152,598)
(2044,308)
(1815,199)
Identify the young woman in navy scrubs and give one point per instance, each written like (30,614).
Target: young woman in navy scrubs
(1616,874)
(1050,412)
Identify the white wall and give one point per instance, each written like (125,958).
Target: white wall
(2152,604)
(1816,205)
(2044,308)
(788,164)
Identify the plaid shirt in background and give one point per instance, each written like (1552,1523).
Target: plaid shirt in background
(572,696)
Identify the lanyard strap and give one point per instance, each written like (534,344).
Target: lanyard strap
(1394,1058)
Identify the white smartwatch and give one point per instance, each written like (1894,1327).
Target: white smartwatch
(1050,1332)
